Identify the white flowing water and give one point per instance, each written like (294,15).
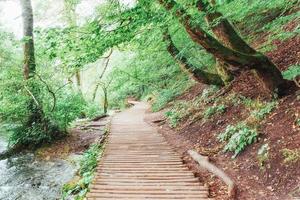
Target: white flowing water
(24,177)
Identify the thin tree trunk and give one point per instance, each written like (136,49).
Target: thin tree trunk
(78,80)
(267,72)
(195,73)
(102,74)
(29,58)
(105,103)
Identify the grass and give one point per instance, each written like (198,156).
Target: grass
(212,110)
(78,188)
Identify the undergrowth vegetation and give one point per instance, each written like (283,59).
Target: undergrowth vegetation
(238,137)
(291,156)
(78,189)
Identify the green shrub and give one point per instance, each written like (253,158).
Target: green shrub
(264,110)
(238,138)
(216,109)
(88,166)
(90,159)
(229,131)
(179,110)
(292,72)
(69,107)
(167,95)
(92,110)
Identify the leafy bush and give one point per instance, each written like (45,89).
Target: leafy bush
(238,138)
(90,159)
(264,110)
(179,110)
(92,110)
(33,135)
(209,112)
(292,72)
(166,95)
(69,107)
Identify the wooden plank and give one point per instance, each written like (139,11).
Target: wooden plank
(139,164)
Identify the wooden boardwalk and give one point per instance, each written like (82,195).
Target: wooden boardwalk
(138,164)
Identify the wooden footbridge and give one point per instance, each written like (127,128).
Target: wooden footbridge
(138,164)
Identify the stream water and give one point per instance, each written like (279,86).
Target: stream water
(24,177)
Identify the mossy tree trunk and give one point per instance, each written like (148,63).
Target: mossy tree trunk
(29,57)
(267,72)
(36,114)
(193,72)
(223,29)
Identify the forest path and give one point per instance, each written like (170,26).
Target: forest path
(139,164)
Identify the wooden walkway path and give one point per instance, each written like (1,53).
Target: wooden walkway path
(138,164)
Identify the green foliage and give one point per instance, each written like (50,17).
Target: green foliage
(258,109)
(238,138)
(179,110)
(167,95)
(254,18)
(212,110)
(292,72)
(69,107)
(88,166)
(264,110)
(92,110)
(90,158)
(15,101)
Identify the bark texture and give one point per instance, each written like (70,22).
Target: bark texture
(29,58)
(223,29)
(195,73)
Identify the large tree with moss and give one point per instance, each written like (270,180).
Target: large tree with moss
(230,48)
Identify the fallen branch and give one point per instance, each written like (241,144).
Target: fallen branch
(204,162)
(99,117)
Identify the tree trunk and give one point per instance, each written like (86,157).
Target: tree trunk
(36,114)
(223,30)
(268,73)
(223,72)
(195,73)
(29,58)
(105,103)
(78,80)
